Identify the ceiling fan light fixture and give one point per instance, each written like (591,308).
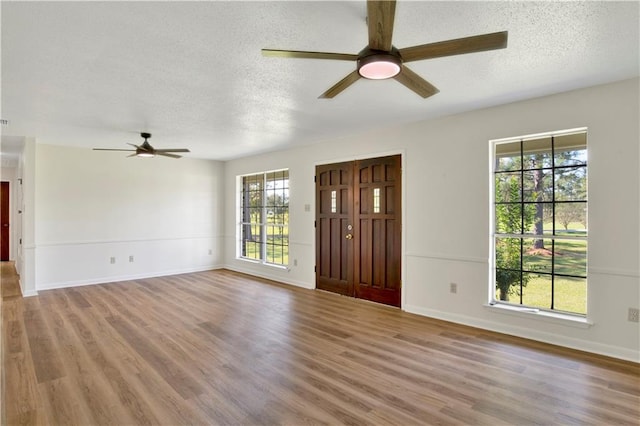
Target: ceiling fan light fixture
(145,154)
(379,66)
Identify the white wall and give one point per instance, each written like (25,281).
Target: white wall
(446,211)
(91,206)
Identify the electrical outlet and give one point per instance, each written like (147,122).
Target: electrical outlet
(453,287)
(634,315)
(295,262)
(130,258)
(112,260)
(210,252)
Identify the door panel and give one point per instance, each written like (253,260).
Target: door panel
(378,245)
(334,252)
(4,220)
(363,261)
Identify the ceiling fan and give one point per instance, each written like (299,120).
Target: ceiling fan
(381,60)
(146,150)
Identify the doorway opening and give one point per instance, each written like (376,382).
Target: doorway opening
(4,221)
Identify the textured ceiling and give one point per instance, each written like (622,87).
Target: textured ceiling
(95,74)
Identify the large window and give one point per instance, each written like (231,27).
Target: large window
(264,217)
(540,222)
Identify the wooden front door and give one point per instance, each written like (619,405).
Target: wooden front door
(378,248)
(4,220)
(358,229)
(334,217)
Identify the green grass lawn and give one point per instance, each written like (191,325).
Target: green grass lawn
(277,246)
(570,294)
(569,257)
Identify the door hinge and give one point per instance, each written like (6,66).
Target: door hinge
(315,268)
(314,224)
(314,179)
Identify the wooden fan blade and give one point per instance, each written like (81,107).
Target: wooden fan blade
(166,154)
(107,149)
(341,85)
(308,55)
(459,46)
(172,150)
(380,16)
(416,83)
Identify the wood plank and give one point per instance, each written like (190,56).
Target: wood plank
(14,337)
(44,354)
(60,406)
(9,281)
(177,378)
(105,362)
(98,400)
(77,299)
(24,405)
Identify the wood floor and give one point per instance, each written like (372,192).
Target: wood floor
(224,348)
(9,281)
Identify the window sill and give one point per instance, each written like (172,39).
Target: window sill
(539,315)
(258,262)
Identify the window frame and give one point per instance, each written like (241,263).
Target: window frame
(551,236)
(264,257)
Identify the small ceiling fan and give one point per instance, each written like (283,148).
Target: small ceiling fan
(381,60)
(146,150)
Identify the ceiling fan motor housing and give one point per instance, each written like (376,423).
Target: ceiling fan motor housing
(379,64)
(145,148)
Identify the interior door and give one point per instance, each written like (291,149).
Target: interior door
(334,223)
(358,229)
(4,220)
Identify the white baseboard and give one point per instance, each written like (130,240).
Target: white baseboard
(272,277)
(528,333)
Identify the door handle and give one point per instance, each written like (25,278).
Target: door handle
(349,236)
